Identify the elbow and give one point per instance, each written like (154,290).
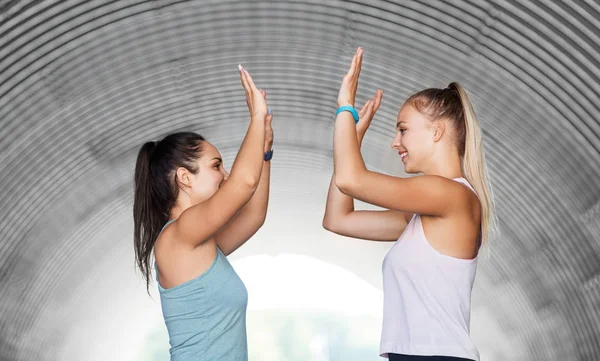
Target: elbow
(344,185)
(328,226)
(250,182)
(350,182)
(246,181)
(261,221)
(347,176)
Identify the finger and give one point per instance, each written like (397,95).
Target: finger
(249,86)
(363,110)
(369,110)
(243,77)
(268,119)
(250,81)
(359,61)
(364,107)
(245,85)
(264,93)
(378,96)
(371,106)
(352,68)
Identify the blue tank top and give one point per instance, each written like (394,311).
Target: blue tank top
(206,316)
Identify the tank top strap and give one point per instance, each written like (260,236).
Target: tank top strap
(165,226)
(466,183)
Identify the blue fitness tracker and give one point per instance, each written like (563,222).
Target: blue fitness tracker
(268,155)
(350,109)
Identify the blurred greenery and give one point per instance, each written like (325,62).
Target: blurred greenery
(156,346)
(294,335)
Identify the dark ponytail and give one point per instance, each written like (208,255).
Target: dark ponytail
(156,189)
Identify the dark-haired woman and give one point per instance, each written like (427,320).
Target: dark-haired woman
(191,213)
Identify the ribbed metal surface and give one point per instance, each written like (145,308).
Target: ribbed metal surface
(83,84)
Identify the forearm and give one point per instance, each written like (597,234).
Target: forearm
(247,164)
(258,204)
(347,160)
(338,204)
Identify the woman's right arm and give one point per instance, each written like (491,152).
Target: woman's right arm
(340,216)
(200,222)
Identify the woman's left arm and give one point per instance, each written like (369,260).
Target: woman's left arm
(253,215)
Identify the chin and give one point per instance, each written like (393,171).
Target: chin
(409,170)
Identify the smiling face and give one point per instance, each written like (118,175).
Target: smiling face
(414,139)
(210,176)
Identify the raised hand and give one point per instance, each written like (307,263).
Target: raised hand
(366,114)
(254,96)
(268,128)
(347,92)
(347,95)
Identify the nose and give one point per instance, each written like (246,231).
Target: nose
(395,142)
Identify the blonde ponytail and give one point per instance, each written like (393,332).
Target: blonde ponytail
(474,165)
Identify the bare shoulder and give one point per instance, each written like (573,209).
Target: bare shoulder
(167,248)
(457,234)
(470,201)
(463,197)
(163,246)
(455,194)
(164,238)
(179,262)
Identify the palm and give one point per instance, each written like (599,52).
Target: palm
(347,95)
(254,98)
(347,92)
(367,112)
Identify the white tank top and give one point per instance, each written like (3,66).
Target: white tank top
(426,298)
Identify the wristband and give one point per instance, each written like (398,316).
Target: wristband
(350,109)
(268,155)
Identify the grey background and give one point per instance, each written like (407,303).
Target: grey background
(84,83)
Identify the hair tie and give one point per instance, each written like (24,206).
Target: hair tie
(152,149)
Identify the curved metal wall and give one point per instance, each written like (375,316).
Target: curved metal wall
(84,83)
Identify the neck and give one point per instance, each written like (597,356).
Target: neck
(182,204)
(446,164)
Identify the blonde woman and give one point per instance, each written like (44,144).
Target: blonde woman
(439,220)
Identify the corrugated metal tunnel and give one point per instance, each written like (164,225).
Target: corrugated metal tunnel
(84,83)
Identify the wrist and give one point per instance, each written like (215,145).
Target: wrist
(268,155)
(258,117)
(350,109)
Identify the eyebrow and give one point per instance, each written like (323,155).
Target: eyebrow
(398,124)
(219,159)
